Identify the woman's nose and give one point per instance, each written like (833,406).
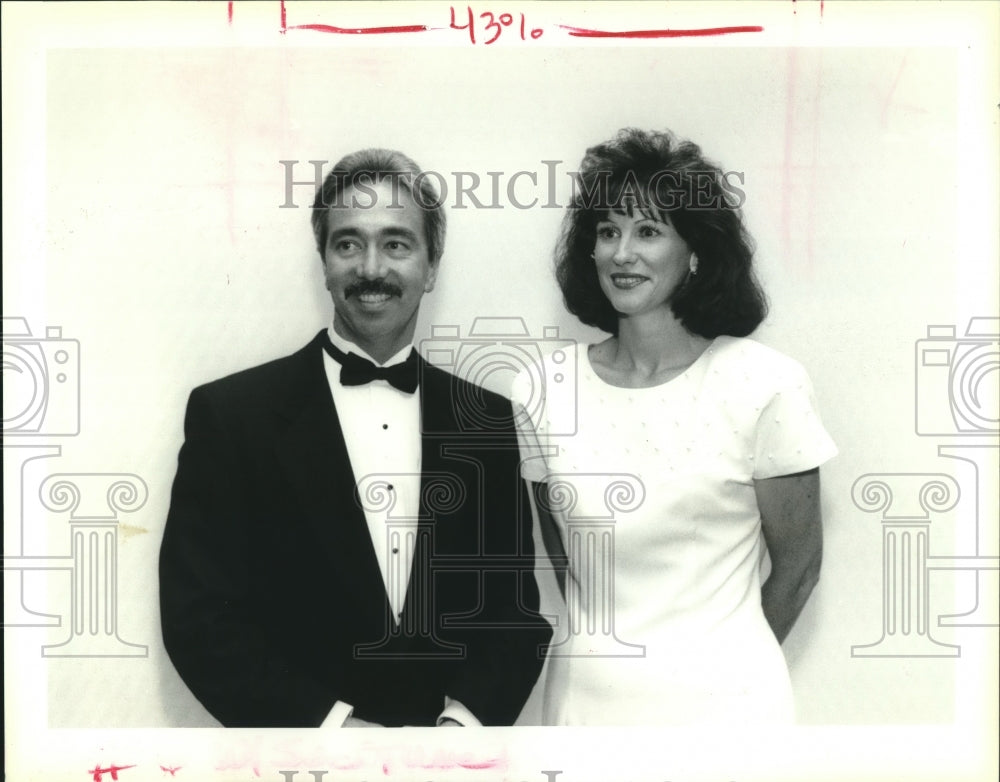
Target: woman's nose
(624,252)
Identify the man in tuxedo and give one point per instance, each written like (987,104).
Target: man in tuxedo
(349,540)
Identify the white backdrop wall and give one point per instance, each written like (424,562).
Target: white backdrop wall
(870,189)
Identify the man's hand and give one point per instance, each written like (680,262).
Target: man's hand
(355,722)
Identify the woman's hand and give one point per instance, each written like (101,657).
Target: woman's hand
(793,530)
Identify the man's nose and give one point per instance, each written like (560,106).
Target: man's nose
(370,266)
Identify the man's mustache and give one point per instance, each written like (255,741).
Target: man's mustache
(378,286)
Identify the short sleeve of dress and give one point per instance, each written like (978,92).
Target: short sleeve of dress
(528,424)
(790,437)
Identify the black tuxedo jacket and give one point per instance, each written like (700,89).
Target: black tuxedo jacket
(272,604)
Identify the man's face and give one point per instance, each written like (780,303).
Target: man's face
(377,267)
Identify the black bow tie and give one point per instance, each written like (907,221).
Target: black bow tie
(357,371)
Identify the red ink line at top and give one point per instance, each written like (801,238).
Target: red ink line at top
(580,32)
(229,11)
(327,28)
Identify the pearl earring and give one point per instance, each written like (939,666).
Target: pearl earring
(693,264)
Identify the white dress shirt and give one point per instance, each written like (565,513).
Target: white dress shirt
(381,427)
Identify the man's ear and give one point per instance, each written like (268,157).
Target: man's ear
(431,276)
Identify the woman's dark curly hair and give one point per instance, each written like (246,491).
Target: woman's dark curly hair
(655,174)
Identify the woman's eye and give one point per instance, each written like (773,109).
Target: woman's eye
(648,231)
(606,232)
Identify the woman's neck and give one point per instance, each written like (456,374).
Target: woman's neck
(653,345)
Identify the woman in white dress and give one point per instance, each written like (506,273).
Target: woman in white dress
(681,453)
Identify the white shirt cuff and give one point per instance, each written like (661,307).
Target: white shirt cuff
(456,711)
(338,715)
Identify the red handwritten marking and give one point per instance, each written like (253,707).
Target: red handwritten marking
(229,13)
(792,68)
(887,103)
(821,6)
(327,28)
(172,770)
(237,764)
(580,32)
(448,763)
(497,23)
(813,162)
(98,772)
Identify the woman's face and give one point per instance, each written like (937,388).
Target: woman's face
(640,261)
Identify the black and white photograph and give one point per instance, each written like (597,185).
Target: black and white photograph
(618,383)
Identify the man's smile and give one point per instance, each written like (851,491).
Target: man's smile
(374,299)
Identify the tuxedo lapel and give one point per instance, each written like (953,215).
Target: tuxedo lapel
(437,426)
(313,452)
(436,423)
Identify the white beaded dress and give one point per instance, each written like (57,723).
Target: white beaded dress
(652,490)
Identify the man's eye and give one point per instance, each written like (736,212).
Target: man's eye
(346,246)
(396,246)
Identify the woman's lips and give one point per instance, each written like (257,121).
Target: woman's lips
(627,281)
